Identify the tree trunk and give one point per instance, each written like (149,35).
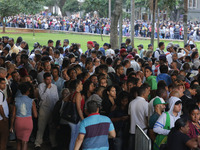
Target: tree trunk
(114,24)
(61,3)
(132,22)
(4,26)
(153,23)
(120,29)
(109,9)
(185,20)
(158,23)
(33,28)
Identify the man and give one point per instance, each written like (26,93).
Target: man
(5,41)
(150,47)
(49,96)
(162,95)
(164,75)
(66,44)
(59,82)
(169,53)
(4,112)
(25,62)
(140,48)
(47,68)
(15,83)
(50,43)
(128,45)
(90,46)
(160,50)
(138,111)
(159,108)
(166,121)
(94,130)
(14,48)
(6,54)
(110,52)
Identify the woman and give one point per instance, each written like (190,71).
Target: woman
(195,59)
(58,44)
(19,40)
(75,88)
(121,121)
(22,116)
(18,60)
(178,138)
(88,89)
(194,123)
(108,103)
(150,79)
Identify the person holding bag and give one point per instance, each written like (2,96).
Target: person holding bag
(72,111)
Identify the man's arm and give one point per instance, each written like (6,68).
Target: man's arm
(79,141)
(112,134)
(1,107)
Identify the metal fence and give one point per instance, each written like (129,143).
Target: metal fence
(142,141)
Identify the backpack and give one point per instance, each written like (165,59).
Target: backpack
(153,56)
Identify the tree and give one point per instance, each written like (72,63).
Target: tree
(32,7)
(132,22)
(71,6)
(8,8)
(114,24)
(185,20)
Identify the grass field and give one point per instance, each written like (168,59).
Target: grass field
(42,38)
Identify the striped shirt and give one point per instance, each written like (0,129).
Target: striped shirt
(96,129)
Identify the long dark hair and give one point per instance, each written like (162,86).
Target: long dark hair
(57,44)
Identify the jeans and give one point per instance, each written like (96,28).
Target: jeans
(44,118)
(74,134)
(131,142)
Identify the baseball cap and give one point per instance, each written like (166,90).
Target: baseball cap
(106,44)
(129,56)
(36,44)
(178,102)
(122,50)
(158,101)
(91,43)
(140,46)
(162,57)
(150,45)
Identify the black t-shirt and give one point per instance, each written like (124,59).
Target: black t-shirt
(177,140)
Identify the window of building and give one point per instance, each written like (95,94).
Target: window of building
(192,3)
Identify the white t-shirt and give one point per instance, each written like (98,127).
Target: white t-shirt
(4,104)
(138,111)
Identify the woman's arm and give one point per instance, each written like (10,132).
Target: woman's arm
(78,100)
(34,110)
(13,118)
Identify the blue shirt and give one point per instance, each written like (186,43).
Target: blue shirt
(23,106)
(60,84)
(96,129)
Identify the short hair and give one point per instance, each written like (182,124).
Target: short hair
(181,122)
(103,67)
(24,87)
(24,56)
(92,106)
(128,41)
(57,52)
(11,39)
(133,80)
(160,91)
(2,70)
(6,48)
(46,74)
(109,61)
(161,84)
(163,69)
(125,62)
(56,69)
(50,41)
(160,44)
(69,70)
(2,79)
(142,89)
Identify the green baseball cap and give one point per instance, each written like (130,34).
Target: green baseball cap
(158,101)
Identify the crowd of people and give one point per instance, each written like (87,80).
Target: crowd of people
(88,24)
(78,99)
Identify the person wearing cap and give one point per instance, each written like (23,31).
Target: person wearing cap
(187,46)
(134,64)
(14,48)
(166,122)
(159,108)
(150,79)
(110,52)
(90,46)
(35,46)
(72,58)
(66,44)
(140,48)
(122,53)
(169,52)
(150,47)
(160,50)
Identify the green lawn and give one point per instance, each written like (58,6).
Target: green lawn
(42,38)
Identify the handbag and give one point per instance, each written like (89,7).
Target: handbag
(70,113)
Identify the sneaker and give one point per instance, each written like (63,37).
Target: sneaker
(37,148)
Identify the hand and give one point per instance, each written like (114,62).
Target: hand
(11,130)
(49,86)
(124,118)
